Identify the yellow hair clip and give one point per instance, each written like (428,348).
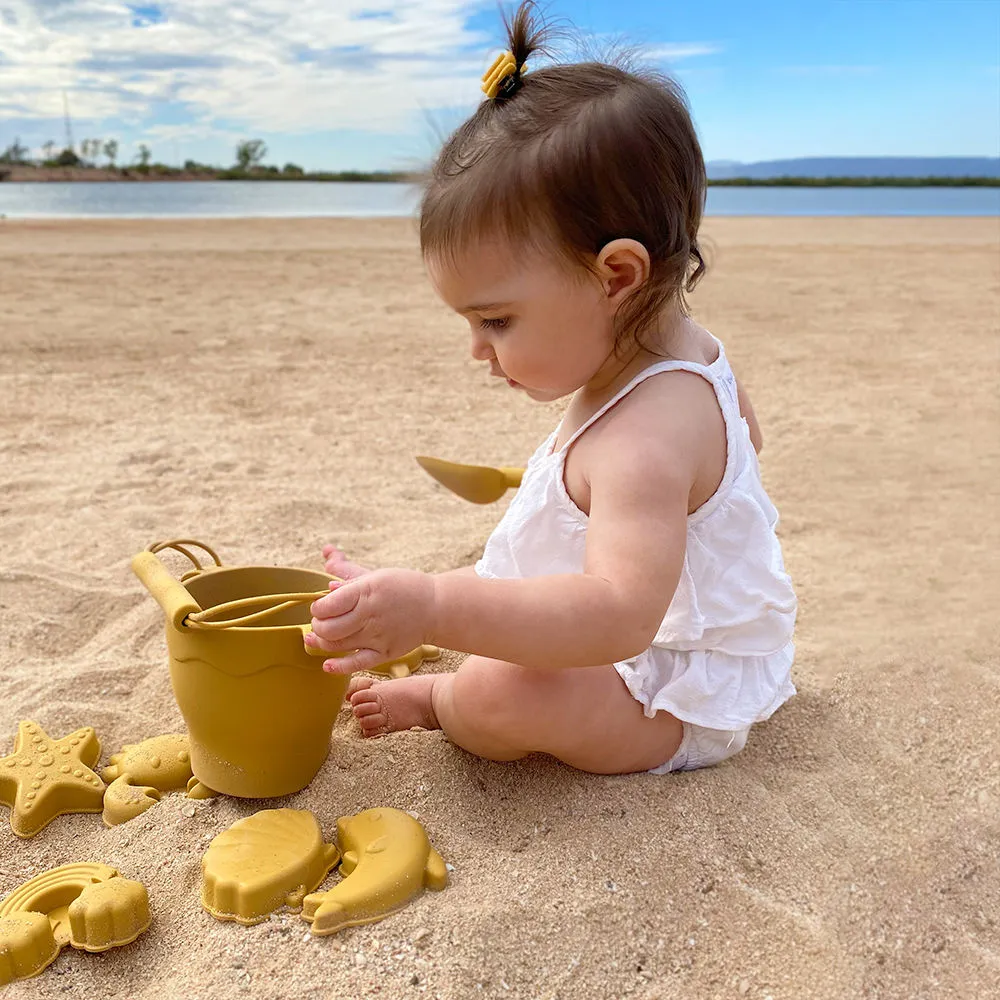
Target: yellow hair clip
(502,75)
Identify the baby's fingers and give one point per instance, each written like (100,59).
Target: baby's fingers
(341,600)
(361,659)
(336,634)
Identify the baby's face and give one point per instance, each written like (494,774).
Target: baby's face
(546,330)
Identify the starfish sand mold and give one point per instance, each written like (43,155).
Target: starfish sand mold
(44,778)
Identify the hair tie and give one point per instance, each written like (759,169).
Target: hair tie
(502,78)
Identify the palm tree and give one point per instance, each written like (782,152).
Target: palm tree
(15,153)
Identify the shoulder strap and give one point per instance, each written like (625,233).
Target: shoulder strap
(705,371)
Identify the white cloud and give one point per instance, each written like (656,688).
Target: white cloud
(278,65)
(671,53)
(186,68)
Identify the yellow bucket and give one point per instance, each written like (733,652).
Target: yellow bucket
(258,705)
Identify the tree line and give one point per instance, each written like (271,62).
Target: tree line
(250,153)
(789,181)
(248,163)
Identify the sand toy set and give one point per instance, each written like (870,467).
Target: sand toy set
(271,860)
(260,711)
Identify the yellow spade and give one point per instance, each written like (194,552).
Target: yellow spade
(476,483)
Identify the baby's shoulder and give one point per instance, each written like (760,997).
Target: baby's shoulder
(676,408)
(669,424)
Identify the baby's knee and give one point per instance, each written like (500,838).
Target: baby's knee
(491,694)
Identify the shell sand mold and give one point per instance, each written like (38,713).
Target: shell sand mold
(263,862)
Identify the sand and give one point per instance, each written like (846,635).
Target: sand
(264,386)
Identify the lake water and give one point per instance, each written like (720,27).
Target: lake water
(288,199)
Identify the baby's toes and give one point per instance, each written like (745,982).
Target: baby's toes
(363,709)
(358,684)
(374,721)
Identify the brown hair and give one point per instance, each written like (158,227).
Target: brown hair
(577,155)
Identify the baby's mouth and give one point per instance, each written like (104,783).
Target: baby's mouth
(500,373)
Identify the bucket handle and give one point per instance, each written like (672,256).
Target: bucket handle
(183,610)
(178,544)
(176,602)
(278,602)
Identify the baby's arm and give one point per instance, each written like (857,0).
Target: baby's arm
(640,484)
(463,572)
(337,564)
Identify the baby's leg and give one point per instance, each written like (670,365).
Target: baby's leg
(585,716)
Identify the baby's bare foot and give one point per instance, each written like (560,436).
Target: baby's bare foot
(388,706)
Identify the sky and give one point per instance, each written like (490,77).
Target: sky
(374,84)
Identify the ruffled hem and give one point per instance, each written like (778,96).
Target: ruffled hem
(710,688)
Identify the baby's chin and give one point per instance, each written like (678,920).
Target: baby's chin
(542,395)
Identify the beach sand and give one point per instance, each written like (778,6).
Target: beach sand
(264,386)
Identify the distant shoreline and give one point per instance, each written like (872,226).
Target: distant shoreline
(158,173)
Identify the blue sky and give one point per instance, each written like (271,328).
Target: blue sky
(370,83)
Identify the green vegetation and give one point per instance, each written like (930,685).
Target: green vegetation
(15,154)
(856,182)
(249,166)
(250,154)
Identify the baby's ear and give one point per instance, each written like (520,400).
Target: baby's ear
(623,266)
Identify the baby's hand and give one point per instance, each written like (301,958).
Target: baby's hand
(378,616)
(337,564)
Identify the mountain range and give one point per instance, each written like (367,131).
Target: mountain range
(859,166)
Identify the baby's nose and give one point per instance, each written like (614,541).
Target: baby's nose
(481,348)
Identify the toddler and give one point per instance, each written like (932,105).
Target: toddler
(631,610)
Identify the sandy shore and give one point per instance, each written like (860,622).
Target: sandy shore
(264,385)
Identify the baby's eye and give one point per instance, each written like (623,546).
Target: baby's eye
(494,324)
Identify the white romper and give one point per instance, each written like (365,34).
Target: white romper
(721,659)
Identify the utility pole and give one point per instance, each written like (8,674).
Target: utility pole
(69,127)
